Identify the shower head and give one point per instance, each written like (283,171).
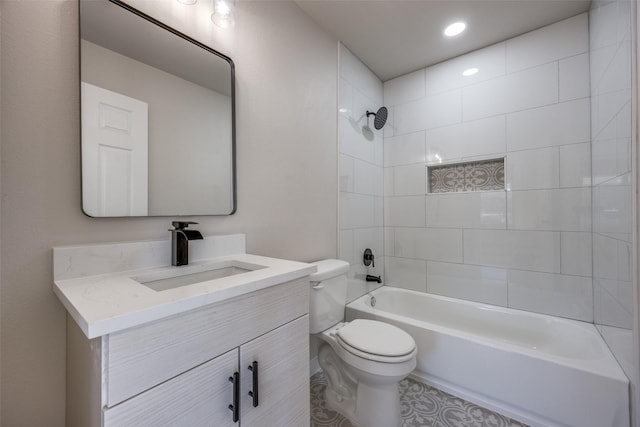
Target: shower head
(380,117)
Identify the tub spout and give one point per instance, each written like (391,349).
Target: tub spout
(371,278)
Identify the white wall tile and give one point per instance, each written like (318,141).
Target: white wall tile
(611,258)
(378,211)
(555,294)
(608,310)
(612,207)
(605,109)
(378,148)
(467,210)
(357,210)
(574,77)
(533,169)
(345,98)
(560,40)
(526,89)
(360,77)
(623,21)
(604,25)
(617,75)
(436,244)
(361,102)
(566,209)
(345,246)
(599,60)
(346,173)
(564,123)
(621,290)
(611,151)
(482,137)
(409,117)
(443,109)
(403,89)
(575,165)
(389,241)
(389,129)
(447,75)
(527,250)
(352,141)
(368,178)
(410,180)
(437,110)
(388,182)
(407,211)
(483,284)
(575,258)
(406,273)
(404,149)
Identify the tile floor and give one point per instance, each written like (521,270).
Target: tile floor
(422,406)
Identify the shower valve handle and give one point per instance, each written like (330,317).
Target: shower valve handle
(368,258)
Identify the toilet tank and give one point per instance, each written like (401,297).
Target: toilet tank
(328,294)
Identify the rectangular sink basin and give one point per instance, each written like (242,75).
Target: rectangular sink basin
(190,275)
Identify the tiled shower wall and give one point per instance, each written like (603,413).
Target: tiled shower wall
(527,246)
(610,53)
(361,172)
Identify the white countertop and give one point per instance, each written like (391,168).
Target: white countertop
(113,301)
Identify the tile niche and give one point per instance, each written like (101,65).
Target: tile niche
(485,175)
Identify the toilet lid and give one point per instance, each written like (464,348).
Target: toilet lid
(378,338)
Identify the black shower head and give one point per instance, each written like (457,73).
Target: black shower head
(380,117)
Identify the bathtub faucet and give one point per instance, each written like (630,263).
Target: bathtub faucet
(371,278)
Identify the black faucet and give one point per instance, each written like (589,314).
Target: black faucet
(371,278)
(180,241)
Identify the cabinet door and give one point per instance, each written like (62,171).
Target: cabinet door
(283,377)
(199,397)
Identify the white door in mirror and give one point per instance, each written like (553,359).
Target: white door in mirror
(114,153)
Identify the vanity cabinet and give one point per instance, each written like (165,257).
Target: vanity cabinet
(177,371)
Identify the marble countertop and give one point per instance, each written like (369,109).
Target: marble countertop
(113,301)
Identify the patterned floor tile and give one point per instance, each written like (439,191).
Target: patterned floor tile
(422,406)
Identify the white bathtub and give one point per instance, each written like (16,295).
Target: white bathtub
(540,370)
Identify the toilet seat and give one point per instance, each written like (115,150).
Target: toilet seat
(376,341)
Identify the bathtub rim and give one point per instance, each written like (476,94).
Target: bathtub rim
(610,369)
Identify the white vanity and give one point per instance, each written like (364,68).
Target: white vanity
(220,342)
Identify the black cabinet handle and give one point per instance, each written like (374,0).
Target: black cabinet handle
(235,407)
(254,393)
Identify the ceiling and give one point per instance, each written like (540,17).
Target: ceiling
(396,37)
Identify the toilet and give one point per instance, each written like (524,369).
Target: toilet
(363,360)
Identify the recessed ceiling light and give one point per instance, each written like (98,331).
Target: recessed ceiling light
(469,72)
(455,29)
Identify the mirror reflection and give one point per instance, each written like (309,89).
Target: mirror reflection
(157,114)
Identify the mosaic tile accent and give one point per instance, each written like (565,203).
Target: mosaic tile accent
(472,176)
(422,406)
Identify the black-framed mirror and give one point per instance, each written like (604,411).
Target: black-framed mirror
(157,117)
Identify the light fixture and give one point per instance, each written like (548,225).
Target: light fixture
(469,72)
(222,14)
(187,2)
(455,29)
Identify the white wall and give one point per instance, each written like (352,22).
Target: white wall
(613,174)
(528,247)
(287,170)
(361,172)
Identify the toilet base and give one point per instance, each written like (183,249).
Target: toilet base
(367,400)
